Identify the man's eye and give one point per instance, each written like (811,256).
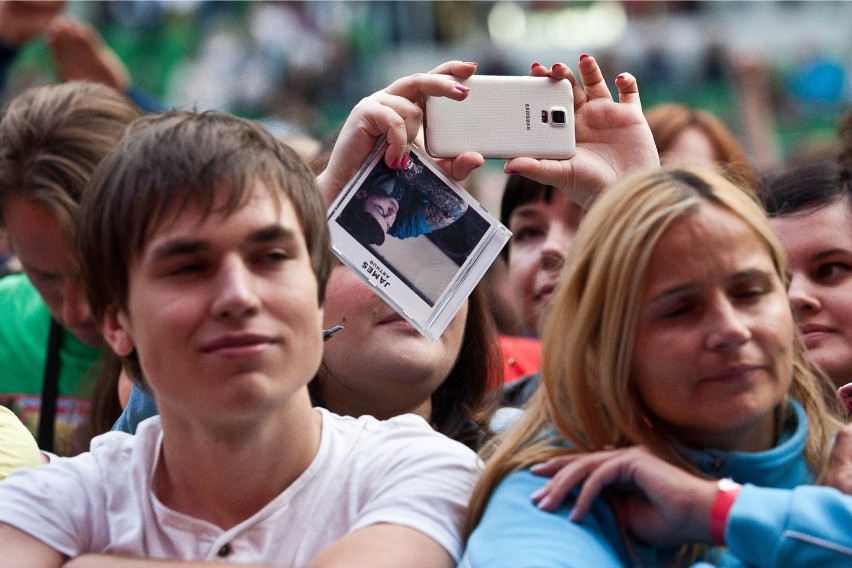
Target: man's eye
(188,268)
(276,256)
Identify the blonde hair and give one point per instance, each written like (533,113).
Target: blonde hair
(587,397)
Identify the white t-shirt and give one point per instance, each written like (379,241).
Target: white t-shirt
(399,471)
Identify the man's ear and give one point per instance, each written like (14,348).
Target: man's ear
(116,330)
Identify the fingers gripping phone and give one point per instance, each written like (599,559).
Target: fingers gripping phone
(503,117)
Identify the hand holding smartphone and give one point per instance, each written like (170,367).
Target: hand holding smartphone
(503,117)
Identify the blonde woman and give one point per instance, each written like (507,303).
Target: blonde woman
(670,330)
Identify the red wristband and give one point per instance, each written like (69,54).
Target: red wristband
(728,491)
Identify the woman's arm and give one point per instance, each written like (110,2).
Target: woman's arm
(667,506)
(396,112)
(612,137)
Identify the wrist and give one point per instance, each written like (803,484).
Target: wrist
(726,494)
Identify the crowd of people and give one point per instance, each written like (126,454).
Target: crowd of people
(189,376)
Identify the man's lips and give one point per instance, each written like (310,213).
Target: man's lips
(239,344)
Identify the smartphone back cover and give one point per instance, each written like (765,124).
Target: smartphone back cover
(502,118)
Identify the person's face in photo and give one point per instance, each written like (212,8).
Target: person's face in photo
(819,251)
(50,264)
(542,232)
(713,352)
(223,311)
(383,208)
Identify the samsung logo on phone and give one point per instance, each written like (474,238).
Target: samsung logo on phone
(527,110)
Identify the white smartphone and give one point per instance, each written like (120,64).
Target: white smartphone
(503,117)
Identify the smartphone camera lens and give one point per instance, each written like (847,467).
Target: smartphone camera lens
(557,116)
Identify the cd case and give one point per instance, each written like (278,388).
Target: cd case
(415,236)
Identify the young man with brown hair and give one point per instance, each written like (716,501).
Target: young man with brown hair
(205,254)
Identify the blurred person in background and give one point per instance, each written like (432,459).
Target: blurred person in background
(685,136)
(20,22)
(51,138)
(846,145)
(9,263)
(543,222)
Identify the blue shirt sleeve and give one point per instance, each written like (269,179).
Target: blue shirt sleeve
(515,533)
(140,406)
(805,526)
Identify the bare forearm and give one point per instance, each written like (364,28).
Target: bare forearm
(112,561)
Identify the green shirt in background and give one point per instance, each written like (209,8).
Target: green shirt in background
(24,330)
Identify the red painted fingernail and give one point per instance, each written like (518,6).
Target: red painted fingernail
(620,77)
(404,161)
(514,173)
(462,88)
(584,56)
(534,65)
(395,164)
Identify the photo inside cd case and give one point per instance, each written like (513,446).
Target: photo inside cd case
(415,236)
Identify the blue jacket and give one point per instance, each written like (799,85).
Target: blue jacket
(140,406)
(808,526)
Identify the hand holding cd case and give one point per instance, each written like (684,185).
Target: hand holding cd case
(415,236)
